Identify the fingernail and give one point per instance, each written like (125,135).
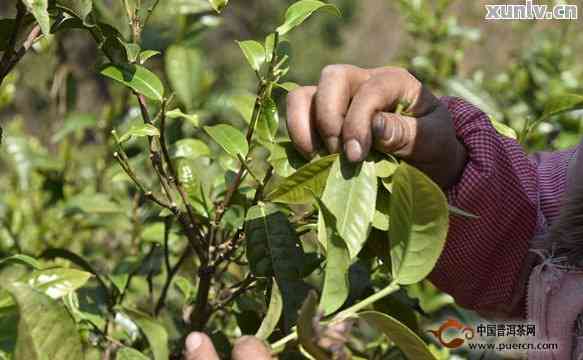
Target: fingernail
(193,341)
(332,144)
(353,150)
(378,126)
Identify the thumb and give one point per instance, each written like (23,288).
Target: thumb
(199,347)
(395,134)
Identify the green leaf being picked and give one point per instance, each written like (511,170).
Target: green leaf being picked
(419,220)
(350,194)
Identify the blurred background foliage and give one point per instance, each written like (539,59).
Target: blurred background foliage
(59,185)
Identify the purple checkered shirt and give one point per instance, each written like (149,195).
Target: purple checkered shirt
(515,196)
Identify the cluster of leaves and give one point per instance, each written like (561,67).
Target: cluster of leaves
(128,228)
(224,227)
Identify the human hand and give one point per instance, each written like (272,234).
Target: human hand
(200,347)
(352,110)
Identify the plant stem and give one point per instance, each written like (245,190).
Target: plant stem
(279,345)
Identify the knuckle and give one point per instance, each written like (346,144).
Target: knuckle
(334,71)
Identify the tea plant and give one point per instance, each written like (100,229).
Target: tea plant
(178,208)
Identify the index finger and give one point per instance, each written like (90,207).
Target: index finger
(381,93)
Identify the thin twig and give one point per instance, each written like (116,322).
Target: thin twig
(10,62)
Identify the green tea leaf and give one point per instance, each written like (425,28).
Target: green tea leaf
(229,138)
(288,86)
(350,194)
(269,47)
(78,8)
(140,130)
(405,339)
(418,224)
(45,328)
(504,129)
(154,332)
(273,313)
(254,53)
(126,353)
(272,244)
(39,9)
(185,71)
(268,122)
(561,104)
(146,55)
(285,158)
(75,259)
(298,187)
(218,5)
(273,249)
(299,11)
(336,284)
(177,113)
(57,282)
(21,259)
(189,148)
(136,77)
(383,209)
(385,168)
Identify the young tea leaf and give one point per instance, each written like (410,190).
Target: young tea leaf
(268,121)
(254,53)
(140,130)
(218,5)
(146,55)
(229,138)
(273,313)
(419,220)
(288,86)
(336,284)
(406,340)
(350,194)
(177,114)
(45,328)
(299,11)
(309,179)
(504,129)
(136,77)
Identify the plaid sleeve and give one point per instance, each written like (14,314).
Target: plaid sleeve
(481,263)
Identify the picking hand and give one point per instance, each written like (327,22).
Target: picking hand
(352,110)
